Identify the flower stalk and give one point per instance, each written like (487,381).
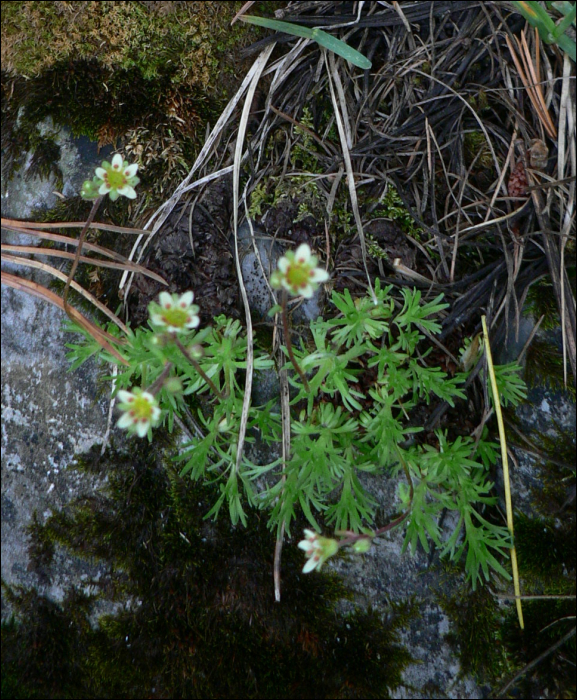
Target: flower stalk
(197,367)
(112,179)
(297,274)
(287,339)
(318,549)
(72,272)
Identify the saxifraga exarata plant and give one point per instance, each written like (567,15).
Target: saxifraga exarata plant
(337,431)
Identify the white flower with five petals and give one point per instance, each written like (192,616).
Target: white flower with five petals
(140,411)
(298,272)
(174,313)
(116,178)
(317,549)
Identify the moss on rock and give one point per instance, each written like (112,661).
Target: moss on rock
(198,617)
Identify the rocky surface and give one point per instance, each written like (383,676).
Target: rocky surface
(48,413)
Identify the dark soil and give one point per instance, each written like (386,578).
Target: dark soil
(193,253)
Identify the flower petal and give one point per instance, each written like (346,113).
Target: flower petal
(156,319)
(284,264)
(127,191)
(125,421)
(100,172)
(104,188)
(125,396)
(117,162)
(319,275)
(142,428)
(165,300)
(131,170)
(310,565)
(187,298)
(193,323)
(303,254)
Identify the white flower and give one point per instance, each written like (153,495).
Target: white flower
(317,549)
(115,179)
(141,411)
(298,272)
(177,314)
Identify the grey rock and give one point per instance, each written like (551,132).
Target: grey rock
(48,413)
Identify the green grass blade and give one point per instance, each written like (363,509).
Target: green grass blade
(563,7)
(568,45)
(548,31)
(565,23)
(536,16)
(339,47)
(328,41)
(277,25)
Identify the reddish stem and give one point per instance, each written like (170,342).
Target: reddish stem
(197,367)
(288,342)
(81,238)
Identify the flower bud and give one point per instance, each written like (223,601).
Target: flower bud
(173,385)
(196,351)
(363,545)
(224,425)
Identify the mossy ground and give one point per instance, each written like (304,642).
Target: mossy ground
(486,631)
(149,37)
(142,77)
(145,77)
(198,616)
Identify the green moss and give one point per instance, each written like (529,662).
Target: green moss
(148,37)
(492,646)
(45,157)
(475,146)
(546,622)
(479,101)
(199,618)
(552,495)
(147,74)
(544,366)
(476,632)
(41,547)
(43,659)
(541,302)
(545,552)
(487,635)
(392,208)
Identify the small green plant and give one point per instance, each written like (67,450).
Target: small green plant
(392,208)
(341,428)
(551,32)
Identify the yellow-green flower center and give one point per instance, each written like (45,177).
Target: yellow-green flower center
(176,318)
(116,179)
(141,408)
(298,276)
